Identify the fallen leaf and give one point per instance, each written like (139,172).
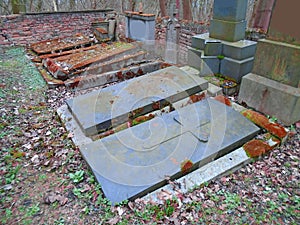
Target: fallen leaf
(113,221)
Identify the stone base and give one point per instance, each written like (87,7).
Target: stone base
(213,48)
(236,69)
(207,65)
(227,30)
(271,97)
(238,55)
(239,50)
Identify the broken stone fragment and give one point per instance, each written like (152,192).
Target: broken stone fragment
(262,121)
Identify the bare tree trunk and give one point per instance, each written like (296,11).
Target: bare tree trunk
(187,12)
(72,4)
(39,6)
(132,5)
(162,4)
(54,5)
(94,4)
(122,6)
(15,6)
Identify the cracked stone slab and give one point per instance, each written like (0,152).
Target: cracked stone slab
(112,106)
(136,161)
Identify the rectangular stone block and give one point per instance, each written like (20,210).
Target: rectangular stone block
(213,62)
(135,161)
(227,30)
(278,61)
(239,50)
(109,107)
(213,48)
(198,41)
(140,27)
(236,69)
(207,65)
(231,10)
(271,97)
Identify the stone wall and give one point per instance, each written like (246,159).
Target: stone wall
(23,29)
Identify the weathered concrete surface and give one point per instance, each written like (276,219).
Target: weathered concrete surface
(271,97)
(227,30)
(278,61)
(230,10)
(114,105)
(134,161)
(236,69)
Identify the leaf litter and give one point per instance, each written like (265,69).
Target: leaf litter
(37,156)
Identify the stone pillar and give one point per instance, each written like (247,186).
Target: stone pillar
(139,26)
(273,86)
(229,20)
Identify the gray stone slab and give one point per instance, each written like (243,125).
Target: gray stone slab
(231,10)
(227,30)
(135,161)
(112,106)
(271,97)
(239,50)
(236,69)
(227,164)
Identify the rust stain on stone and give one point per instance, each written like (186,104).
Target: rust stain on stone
(223,100)
(262,121)
(255,148)
(186,166)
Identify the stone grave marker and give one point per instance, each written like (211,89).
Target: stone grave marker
(132,162)
(224,49)
(273,86)
(140,26)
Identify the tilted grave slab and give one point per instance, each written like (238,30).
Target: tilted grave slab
(100,110)
(135,161)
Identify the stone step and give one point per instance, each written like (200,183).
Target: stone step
(212,89)
(109,107)
(136,161)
